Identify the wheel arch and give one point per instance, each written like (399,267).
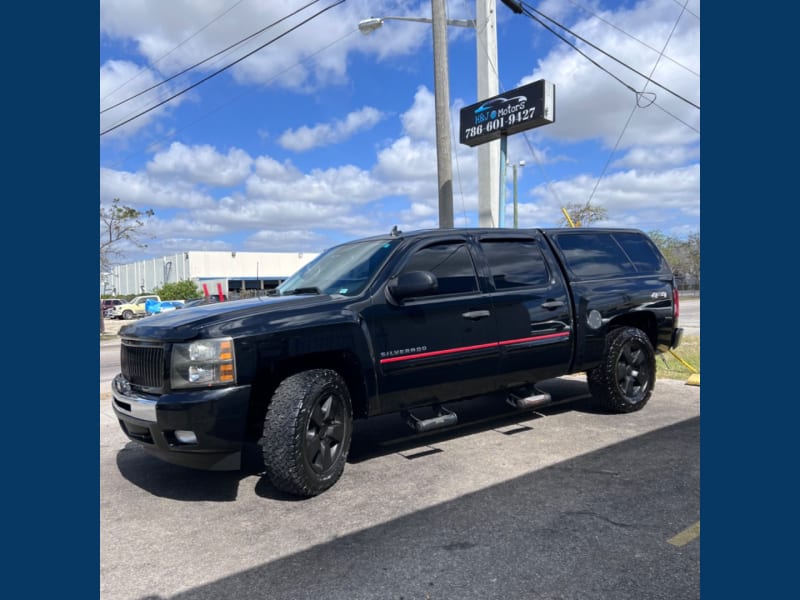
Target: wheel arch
(343,361)
(646,321)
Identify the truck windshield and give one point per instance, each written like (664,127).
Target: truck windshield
(343,270)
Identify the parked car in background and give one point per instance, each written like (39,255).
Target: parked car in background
(153,307)
(132,309)
(106,304)
(109,302)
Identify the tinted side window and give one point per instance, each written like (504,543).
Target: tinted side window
(452,265)
(515,263)
(641,252)
(594,255)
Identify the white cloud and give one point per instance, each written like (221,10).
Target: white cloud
(325,134)
(284,241)
(279,204)
(419,122)
(652,157)
(187,32)
(347,186)
(650,200)
(407,161)
(592,104)
(119,81)
(141,191)
(202,164)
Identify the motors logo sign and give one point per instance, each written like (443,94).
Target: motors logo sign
(526,107)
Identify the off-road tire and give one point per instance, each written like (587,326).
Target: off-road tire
(624,380)
(307,432)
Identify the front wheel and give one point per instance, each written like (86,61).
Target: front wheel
(127,315)
(307,432)
(624,380)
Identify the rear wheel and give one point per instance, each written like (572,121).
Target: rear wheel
(624,381)
(307,432)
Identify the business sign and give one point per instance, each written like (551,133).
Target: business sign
(523,108)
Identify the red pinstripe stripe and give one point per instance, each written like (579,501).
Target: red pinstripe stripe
(534,339)
(470,348)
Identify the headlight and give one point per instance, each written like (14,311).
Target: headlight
(203,363)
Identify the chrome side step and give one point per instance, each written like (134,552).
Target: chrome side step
(443,418)
(532,401)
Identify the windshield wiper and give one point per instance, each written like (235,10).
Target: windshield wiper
(301,290)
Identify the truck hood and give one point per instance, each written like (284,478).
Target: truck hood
(221,318)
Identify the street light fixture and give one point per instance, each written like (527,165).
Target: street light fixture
(367,26)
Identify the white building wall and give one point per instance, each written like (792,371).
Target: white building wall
(146,275)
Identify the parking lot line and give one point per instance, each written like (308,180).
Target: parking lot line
(685,536)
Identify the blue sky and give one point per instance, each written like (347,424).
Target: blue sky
(327,134)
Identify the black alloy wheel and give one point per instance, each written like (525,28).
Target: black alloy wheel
(325,433)
(307,431)
(624,380)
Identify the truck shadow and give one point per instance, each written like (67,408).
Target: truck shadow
(191,485)
(373,438)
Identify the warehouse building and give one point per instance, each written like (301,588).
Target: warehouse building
(237,273)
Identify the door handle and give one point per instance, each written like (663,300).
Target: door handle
(550,304)
(476,314)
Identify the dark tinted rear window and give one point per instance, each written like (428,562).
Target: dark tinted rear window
(644,256)
(606,254)
(592,255)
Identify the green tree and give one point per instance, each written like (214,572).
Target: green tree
(120,225)
(683,255)
(181,290)
(583,215)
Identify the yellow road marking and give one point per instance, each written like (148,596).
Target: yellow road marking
(686,536)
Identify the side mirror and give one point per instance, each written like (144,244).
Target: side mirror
(413,283)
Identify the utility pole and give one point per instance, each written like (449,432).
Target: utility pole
(489,180)
(516,209)
(444,160)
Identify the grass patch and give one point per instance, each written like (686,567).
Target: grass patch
(669,367)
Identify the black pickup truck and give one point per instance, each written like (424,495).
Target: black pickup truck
(401,323)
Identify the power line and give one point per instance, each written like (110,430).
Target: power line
(683,6)
(516,6)
(205,60)
(528,10)
(233,99)
(163,56)
(634,38)
(633,111)
(223,69)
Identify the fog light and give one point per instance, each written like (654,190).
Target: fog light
(185,437)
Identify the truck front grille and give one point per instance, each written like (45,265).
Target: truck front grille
(142,363)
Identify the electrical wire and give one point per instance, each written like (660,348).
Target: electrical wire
(517,7)
(223,69)
(686,9)
(529,10)
(219,107)
(163,56)
(633,111)
(205,60)
(634,38)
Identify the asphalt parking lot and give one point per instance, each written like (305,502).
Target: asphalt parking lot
(561,503)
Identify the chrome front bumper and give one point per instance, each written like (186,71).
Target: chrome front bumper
(130,403)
